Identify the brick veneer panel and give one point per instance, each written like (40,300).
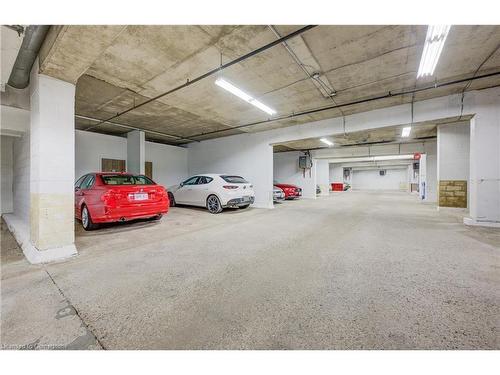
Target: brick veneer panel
(453,193)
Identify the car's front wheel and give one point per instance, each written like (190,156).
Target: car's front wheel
(87,220)
(213,204)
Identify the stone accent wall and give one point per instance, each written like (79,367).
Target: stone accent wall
(453,193)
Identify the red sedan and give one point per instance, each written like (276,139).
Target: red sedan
(291,191)
(111,197)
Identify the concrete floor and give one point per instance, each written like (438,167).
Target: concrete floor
(356,270)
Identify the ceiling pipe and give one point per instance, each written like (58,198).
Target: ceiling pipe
(210,73)
(390,94)
(328,92)
(34,36)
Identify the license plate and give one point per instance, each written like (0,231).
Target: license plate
(140,196)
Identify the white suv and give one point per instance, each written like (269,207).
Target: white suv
(213,191)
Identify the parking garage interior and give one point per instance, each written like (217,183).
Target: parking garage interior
(393,244)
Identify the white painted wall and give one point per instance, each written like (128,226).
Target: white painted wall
(21,178)
(286,170)
(247,155)
(90,148)
(336,173)
(453,142)
(394,179)
(170,165)
(7,169)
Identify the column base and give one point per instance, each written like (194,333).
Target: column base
(452,209)
(21,233)
(473,222)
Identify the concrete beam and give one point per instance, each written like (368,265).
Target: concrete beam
(14,121)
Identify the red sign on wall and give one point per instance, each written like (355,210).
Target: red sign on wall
(416,156)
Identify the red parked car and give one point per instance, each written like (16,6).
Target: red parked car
(111,197)
(291,191)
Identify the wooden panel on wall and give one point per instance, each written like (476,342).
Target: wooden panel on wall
(113,165)
(148,169)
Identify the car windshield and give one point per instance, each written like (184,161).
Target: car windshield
(234,179)
(125,179)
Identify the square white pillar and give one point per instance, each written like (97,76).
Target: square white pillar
(485,165)
(453,164)
(52,169)
(136,152)
(323,176)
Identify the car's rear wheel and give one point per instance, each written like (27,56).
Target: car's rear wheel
(244,206)
(171,199)
(213,204)
(87,220)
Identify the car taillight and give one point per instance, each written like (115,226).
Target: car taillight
(230,187)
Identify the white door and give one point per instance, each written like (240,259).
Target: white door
(184,194)
(199,192)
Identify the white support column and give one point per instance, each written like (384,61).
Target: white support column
(453,164)
(52,169)
(309,181)
(323,176)
(422,177)
(136,152)
(485,163)
(409,178)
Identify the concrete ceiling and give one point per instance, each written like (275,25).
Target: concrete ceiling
(116,67)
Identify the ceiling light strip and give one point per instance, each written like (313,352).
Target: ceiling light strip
(434,43)
(327,142)
(244,96)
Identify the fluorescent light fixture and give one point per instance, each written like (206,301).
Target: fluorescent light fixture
(326,141)
(434,42)
(243,95)
(406,131)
